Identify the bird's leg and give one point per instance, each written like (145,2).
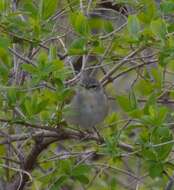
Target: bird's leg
(98,134)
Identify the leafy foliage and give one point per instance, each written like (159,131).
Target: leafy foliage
(44,47)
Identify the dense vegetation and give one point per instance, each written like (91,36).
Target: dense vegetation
(44,45)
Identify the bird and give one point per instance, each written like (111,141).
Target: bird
(89,105)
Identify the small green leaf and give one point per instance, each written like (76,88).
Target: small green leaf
(108,27)
(124,103)
(80,23)
(127,103)
(157,76)
(59,182)
(145,87)
(150,101)
(66,166)
(113,183)
(133,26)
(52,53)
(4,53)
(149,154)
(111,147)
(169,165)
(159,136)
(148,11)
(27,107)
(159,28)
(47,8)
(12,96)
(166,55)
(78,47)
(167,7)
(29,68)
(162,114)
(155,169)
(4,42)
(31,9)
(82,178)
(3,5)
(57,64)
(136,113)
(112,118)
(41,106)
(96,24)
(81,169)
(132,100)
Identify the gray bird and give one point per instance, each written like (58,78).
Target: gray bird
(89,106)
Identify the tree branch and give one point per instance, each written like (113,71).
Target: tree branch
(117,66)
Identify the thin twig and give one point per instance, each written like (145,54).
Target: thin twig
(121,63)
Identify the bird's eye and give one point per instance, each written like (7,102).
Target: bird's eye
(94,86)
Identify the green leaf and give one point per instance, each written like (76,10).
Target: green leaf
(145,87)
(3,5)
(150,101)
(59,182)
(136,113)
(167,7)
(108,27)
(29,68)
(156,117)
(157,76)
(66,166)
(132,100)
(159,28)
(124,103)
(4,72)
(80,170)
(111,147)
(42,58)
(42,106)
(31,9)
(149,154)
(12,96)
(27,107)
(169,165)
(4,42)
(47,8)
(162,135)
(133,26)
(147,120)
(82,178)
(161,115)
(4,53)
(166,55)
(155,169)
(127,103)
(97,47)
(113,183)
(2,150)
(80,23)
(96,24)
(112,118)
(148,11)
(78,47)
